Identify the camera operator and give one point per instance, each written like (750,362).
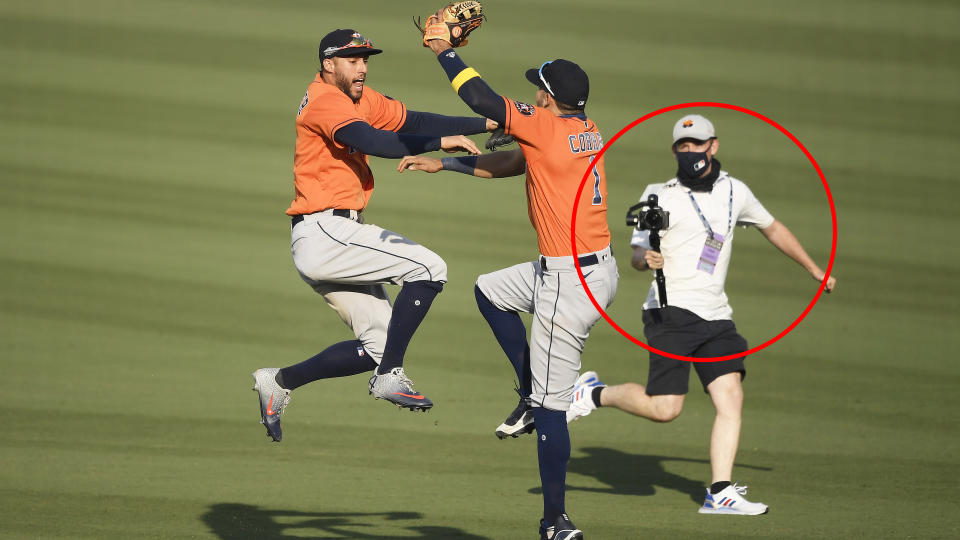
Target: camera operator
(704,205)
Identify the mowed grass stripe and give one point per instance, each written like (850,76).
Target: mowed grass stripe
(136,202)
(894,18)
(101,111)
(314,460)
(146,45)
(141,301)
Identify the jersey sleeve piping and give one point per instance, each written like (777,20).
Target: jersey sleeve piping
(402,119)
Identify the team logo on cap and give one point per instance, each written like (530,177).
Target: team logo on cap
(525,108)
(687,123)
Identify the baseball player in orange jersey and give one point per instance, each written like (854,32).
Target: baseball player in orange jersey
(339,123)
(557,142)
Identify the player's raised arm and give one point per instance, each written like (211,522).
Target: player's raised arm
(468,84)
(441,36)
(495,165)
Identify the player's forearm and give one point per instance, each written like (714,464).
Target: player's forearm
(473,90)
(780,236)
(438,125)
(494,165)
(464,165)
(386,144)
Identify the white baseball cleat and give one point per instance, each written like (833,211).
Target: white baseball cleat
(581,403)
(730,501)
(273,399)
(395,387)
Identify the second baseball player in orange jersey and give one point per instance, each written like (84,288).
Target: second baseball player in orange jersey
(557,142)
(556,150)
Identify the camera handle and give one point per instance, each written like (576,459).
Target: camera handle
(633,221)
(658,273)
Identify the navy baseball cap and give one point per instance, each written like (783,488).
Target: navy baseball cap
(564,80)
(346,42)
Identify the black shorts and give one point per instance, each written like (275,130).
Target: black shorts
(678,331)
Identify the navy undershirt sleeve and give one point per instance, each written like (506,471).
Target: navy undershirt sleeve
(424,123)
(386,144)
(476,93)
(461,164)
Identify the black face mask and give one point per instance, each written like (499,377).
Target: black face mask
(691,167)
(692,164)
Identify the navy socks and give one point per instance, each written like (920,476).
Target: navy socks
(339,360)
(409,309)
(553,439)
(511,334)
(553,451)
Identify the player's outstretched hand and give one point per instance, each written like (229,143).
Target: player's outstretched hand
(420,163)
(457,143)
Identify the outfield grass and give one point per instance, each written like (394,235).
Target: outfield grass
(145,164)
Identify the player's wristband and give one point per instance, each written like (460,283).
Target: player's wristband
(457,71)
(462,164)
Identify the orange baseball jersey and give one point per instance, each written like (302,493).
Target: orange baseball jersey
(558,150)
(327,174)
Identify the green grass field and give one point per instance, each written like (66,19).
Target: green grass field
(145,165)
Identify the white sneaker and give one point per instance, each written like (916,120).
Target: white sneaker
(731,501)
(581,403)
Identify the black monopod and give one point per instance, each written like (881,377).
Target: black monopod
(648,216)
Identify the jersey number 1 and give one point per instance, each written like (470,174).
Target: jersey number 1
(597,197)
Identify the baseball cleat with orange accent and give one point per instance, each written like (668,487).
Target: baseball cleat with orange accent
(395,387)
(273,399)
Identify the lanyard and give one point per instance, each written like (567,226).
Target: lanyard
(703,219)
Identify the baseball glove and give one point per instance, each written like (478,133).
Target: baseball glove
(452,23)
(498,138)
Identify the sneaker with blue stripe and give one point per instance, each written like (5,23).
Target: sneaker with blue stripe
(581,402)
(731,501)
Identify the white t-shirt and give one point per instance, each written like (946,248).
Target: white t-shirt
(683,242)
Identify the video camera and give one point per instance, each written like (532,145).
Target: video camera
(648,216)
